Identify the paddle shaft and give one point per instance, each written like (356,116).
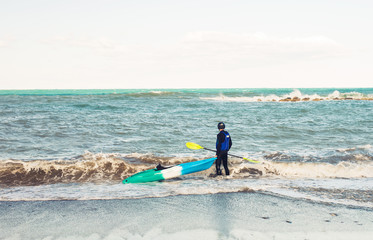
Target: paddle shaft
(195,146)
(228,153)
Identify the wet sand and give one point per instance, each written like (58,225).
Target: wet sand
(248,215)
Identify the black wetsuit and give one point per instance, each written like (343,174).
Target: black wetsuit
(222,149)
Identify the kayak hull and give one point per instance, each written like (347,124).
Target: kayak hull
(172,172)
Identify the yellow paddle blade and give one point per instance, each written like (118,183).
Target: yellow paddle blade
(250,160)
(194,146)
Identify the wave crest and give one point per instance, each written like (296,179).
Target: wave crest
(101,167)
(306,170)
(295,96)
(151,94)
(88,167)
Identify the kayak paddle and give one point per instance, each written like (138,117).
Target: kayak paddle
(195,146)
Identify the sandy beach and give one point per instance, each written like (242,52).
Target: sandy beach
(217,216)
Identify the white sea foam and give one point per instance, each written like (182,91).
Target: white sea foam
(294,96)
(312,170)
(319,190)
(103,167)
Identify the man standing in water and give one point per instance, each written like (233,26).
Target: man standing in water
(223,144)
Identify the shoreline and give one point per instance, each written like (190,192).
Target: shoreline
(213,216)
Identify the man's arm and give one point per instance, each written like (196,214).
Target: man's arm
(230,141)
(220,138)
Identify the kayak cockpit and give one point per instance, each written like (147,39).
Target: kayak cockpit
(160,167)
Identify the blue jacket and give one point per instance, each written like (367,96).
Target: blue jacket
(223,142)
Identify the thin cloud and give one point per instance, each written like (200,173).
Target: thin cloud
(6,41)
(260,45)
(216,44)
(208,50)
(99,44)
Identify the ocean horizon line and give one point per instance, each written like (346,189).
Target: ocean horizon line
(158,91)
(181,88)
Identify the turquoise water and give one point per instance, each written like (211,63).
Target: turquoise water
(53,124)
(52,140)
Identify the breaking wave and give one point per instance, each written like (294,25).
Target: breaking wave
(101,167)
(295,96)
(354,154)
(151,94)
(307,170)
(86,168)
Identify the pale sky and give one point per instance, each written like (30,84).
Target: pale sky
(76,44)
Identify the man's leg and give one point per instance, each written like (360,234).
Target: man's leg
(217,164)
(224,158)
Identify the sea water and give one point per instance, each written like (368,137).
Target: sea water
(313,144)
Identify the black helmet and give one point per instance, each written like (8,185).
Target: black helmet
(221,125)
